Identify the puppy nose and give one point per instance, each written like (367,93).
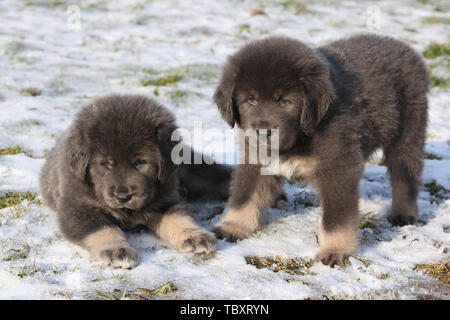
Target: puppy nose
(123,197)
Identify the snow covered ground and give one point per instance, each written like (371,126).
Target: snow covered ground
(51,63)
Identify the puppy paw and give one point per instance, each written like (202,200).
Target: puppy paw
(120,257)
(231,231)
(337,245)
(332,257)
(197,240)
(401,219)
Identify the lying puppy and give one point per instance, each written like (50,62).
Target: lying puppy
(333,106)
(112,170)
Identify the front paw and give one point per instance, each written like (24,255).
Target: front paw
(231,231)
(332,257)
(120,257)
(337,246)
(401,216)
(401,219)
(197,240)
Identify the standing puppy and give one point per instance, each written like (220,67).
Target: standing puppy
(333,106)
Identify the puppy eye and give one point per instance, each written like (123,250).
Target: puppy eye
(139,163)
(251,100)
(283,101)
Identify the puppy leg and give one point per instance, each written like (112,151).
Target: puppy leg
(90,229)
(180,230)
(404,160)
(339,196)
(404,207)
(110,246)
(251,193)
(205,182)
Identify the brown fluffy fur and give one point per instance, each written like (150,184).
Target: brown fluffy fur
(112,170)
(333,106)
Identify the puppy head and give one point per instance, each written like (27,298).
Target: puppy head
(120,146)
(275,83)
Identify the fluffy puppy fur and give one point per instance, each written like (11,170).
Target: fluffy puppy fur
(333,106)
(112,170)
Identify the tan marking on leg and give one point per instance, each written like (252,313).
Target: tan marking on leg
(401,202)
(344,240)
(180,230)
(241,223)
(103,238)
(111,239)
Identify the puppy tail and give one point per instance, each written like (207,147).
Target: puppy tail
(205,182)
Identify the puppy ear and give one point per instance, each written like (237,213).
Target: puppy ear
(223,96)
(78,154)
(166,167)
(319,92)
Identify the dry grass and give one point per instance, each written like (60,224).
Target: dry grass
(435,50)
(294,266)
(439,270)
(163,80)
(138,294)
(31,91)
(11,151)
(14,198)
